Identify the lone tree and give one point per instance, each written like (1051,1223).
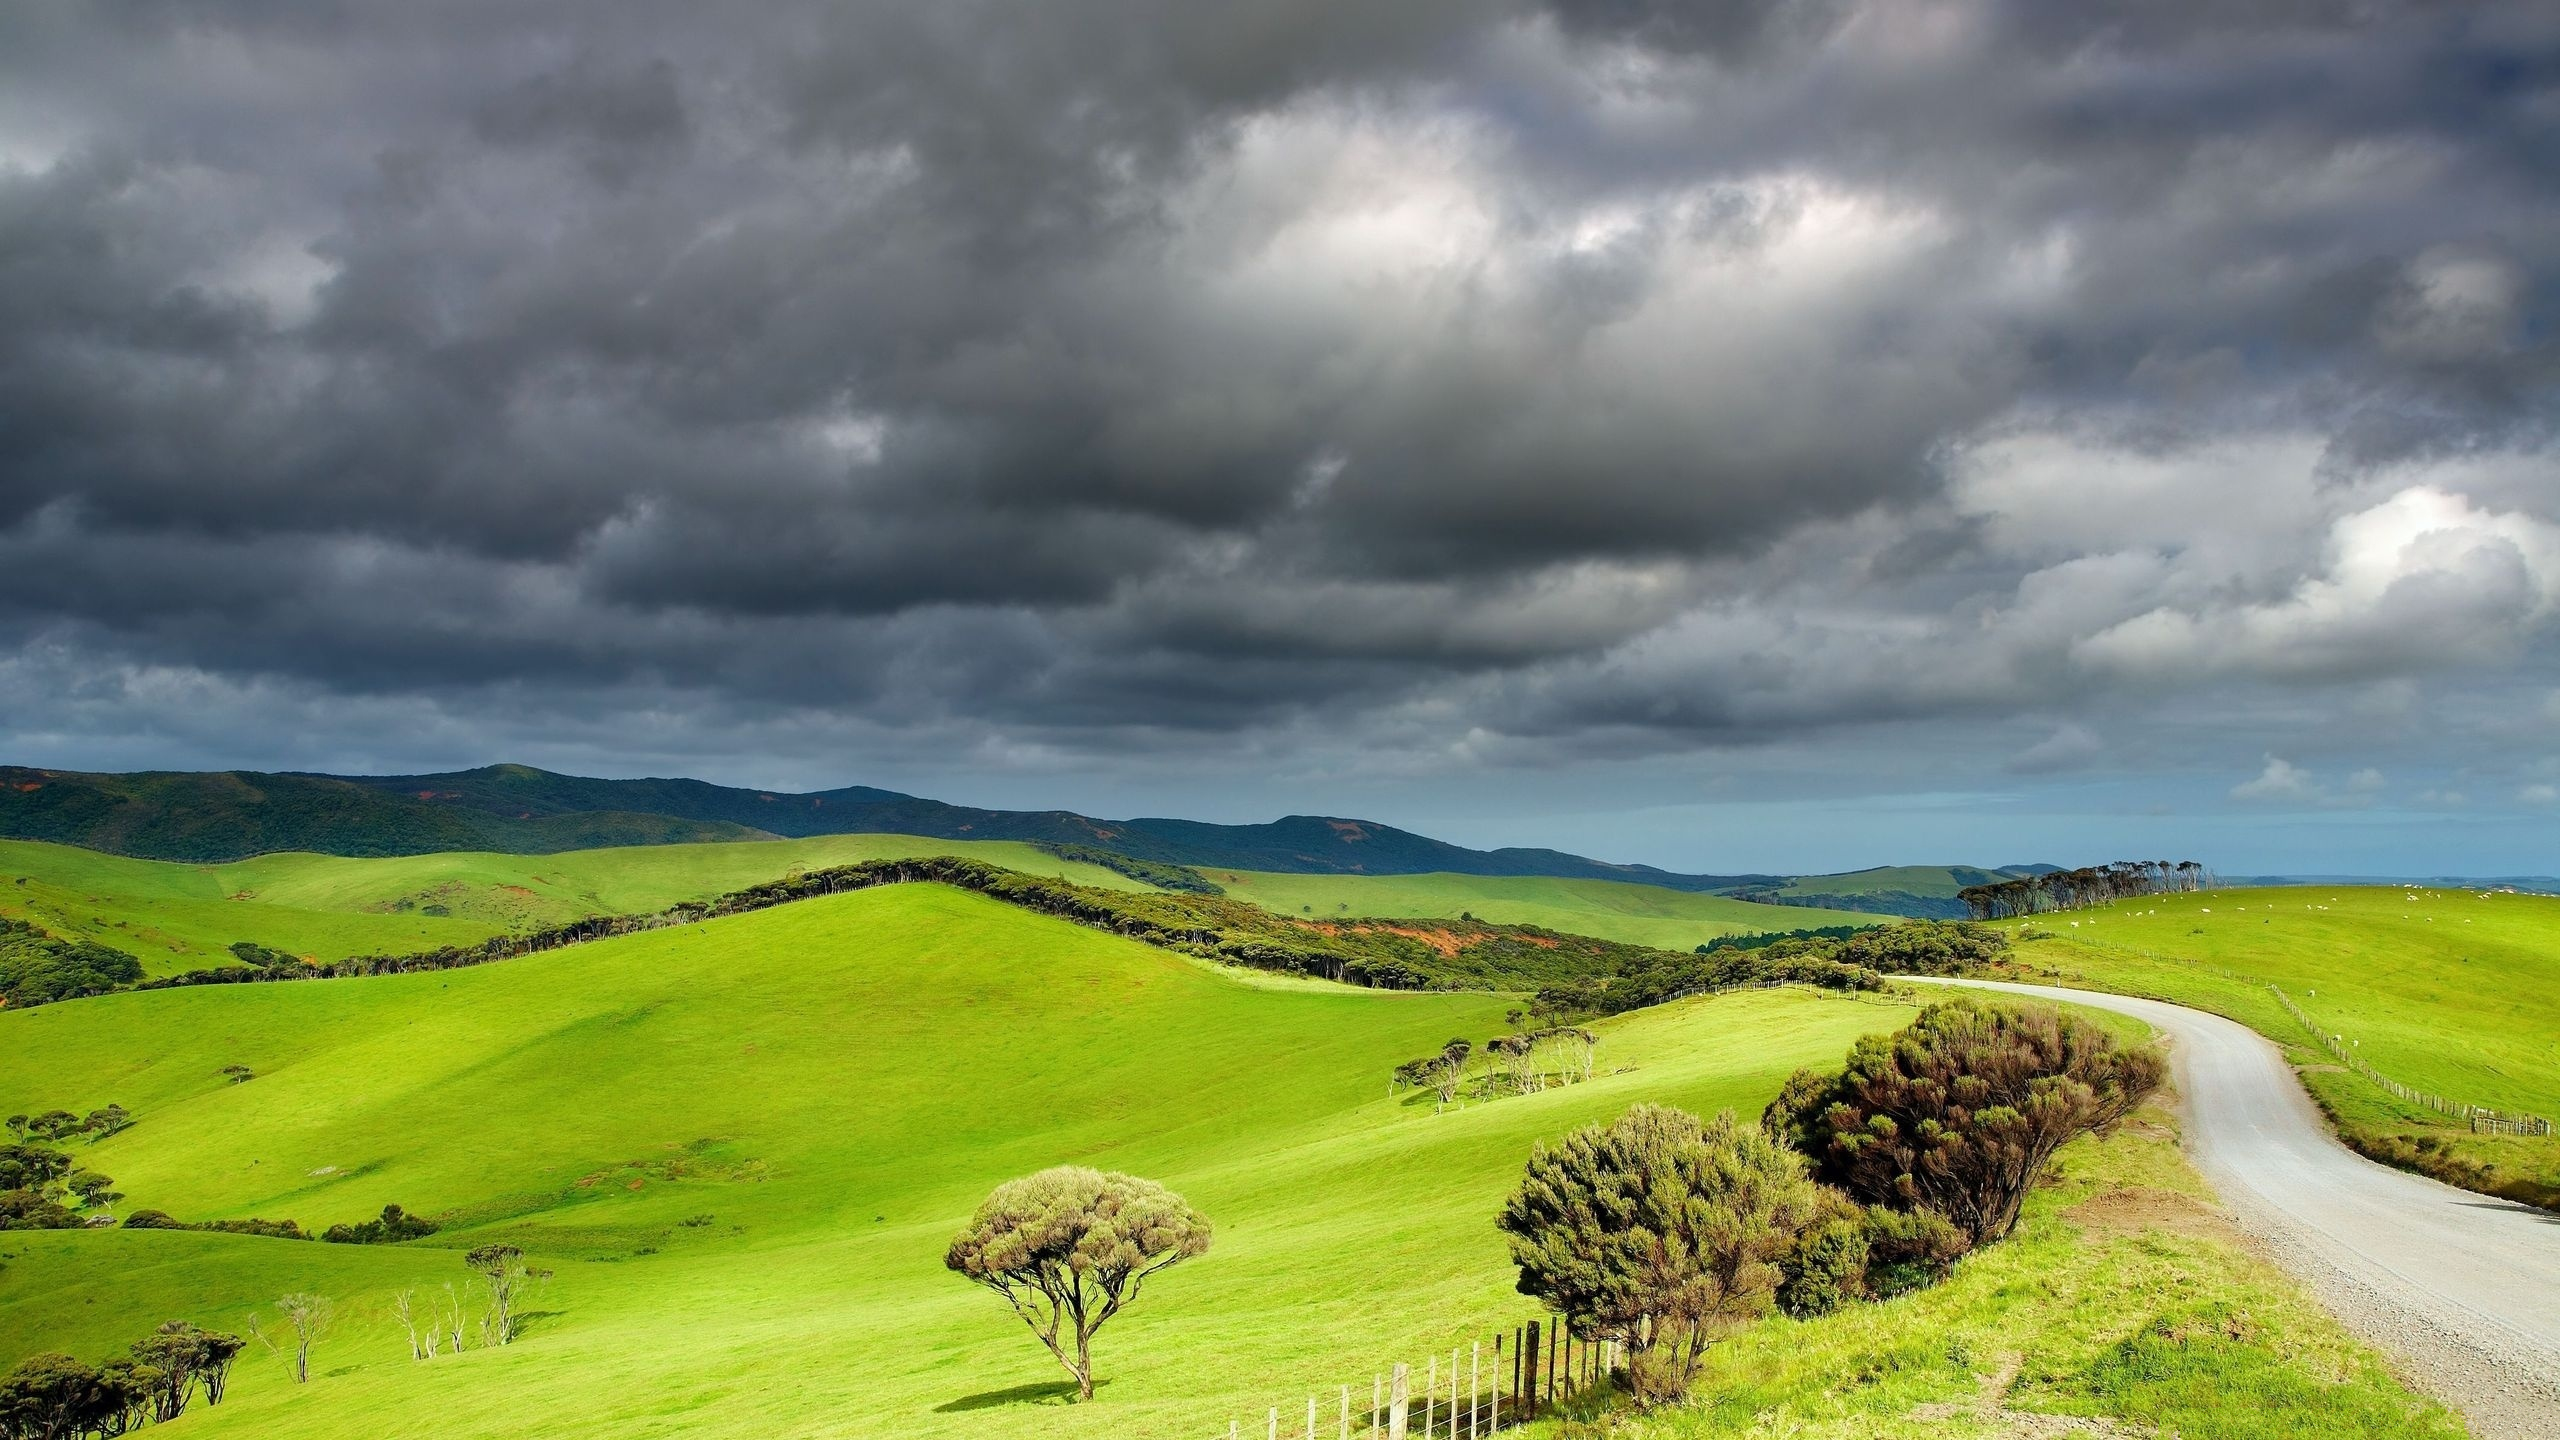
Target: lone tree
(502,1268)
(1961,1111)
(306,1317)
(1660,1232)
(1069,1247)
(177,1358)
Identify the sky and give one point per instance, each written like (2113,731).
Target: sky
(1724,435)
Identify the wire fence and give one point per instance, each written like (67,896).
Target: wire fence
(1485,1387)
(2482,1120)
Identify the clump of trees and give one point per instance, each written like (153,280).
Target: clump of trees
(394,1226)
(42,1189)
(1958,1115)
(260,957)
(1163,874)
(2077,889)
(37,968)
(1659,1232)
(1662,1232)
(1070,1247)
(55,1397)
(55,1127)
(1514,1064)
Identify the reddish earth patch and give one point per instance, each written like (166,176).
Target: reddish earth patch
(518,890)
(2137,1209)
(26,785)
(1347,830)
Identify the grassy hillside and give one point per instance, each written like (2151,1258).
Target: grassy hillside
(175,917)
(1637,914)
(834,1084)
(2451,991)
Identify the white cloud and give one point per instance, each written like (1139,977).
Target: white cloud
(2539,794)
(2281,781)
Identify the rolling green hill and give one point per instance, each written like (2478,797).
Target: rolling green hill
(2455,992)
(175,917)
(1918,891)
(834,1084)
(1637,914)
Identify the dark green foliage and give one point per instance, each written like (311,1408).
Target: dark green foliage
(162,1220)
(1661,1232)
(1828,1266)
(1924,947)
(395,1226)
(54,1397)
(35,1189)
(1959,1113)
(257,956)
(37,968)
(178,1358)
(233,815)
(1763,939)
(2076,889)
(1163,874)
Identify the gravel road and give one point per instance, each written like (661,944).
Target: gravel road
(2463,1289)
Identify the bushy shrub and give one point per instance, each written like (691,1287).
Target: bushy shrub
(37,968)
(1958,1114)
(394,1226)
(1660,1232)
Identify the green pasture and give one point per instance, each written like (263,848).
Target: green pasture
(1609,909)
(174,916)
(826,1089)
(2455,992)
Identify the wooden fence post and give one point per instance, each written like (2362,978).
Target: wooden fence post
(1475,1388)
(1529,1369)
(1275,1422)
(1346,1412)
(1311,1417)
(1399,1395)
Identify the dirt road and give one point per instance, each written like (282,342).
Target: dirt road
(2464,1289)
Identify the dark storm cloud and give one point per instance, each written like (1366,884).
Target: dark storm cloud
(1664,372)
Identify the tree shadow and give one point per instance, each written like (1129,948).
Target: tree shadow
(1051,1392)
(528,1321)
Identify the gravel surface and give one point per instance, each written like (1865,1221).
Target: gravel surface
(2463,1289)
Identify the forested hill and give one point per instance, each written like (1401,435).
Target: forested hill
(229,815)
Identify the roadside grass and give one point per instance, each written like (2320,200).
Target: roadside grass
(827,1088)
(173,916)
(1608,909)
(2122,1297)
(2451,991)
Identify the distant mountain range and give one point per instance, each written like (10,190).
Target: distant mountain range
(233,814)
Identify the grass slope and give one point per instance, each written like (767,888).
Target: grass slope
(175,917)
(2452,991)
(1612,910)
(835,1083)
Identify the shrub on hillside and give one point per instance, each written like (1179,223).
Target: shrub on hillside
(1958,1114)
(36,1191)
(1659,1232)
(394,1226)
(163,1220)
(1068,1248)
(54,1397)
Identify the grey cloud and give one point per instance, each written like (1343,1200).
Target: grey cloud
(1597,374)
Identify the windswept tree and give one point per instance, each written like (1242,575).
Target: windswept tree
(1071,1247)
(503,1270)
(1659,1232)
(302,1318)
(1961,1111)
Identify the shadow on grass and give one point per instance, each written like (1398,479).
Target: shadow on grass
(530,1320)
(1054,1392)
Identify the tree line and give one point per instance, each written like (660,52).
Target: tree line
(2079,889)
(55,1397)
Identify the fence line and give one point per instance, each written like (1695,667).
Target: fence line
(1508,1382)
(2482,1120)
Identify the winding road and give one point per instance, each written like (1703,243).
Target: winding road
(2463,1289)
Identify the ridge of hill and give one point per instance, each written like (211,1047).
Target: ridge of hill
(231,815)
